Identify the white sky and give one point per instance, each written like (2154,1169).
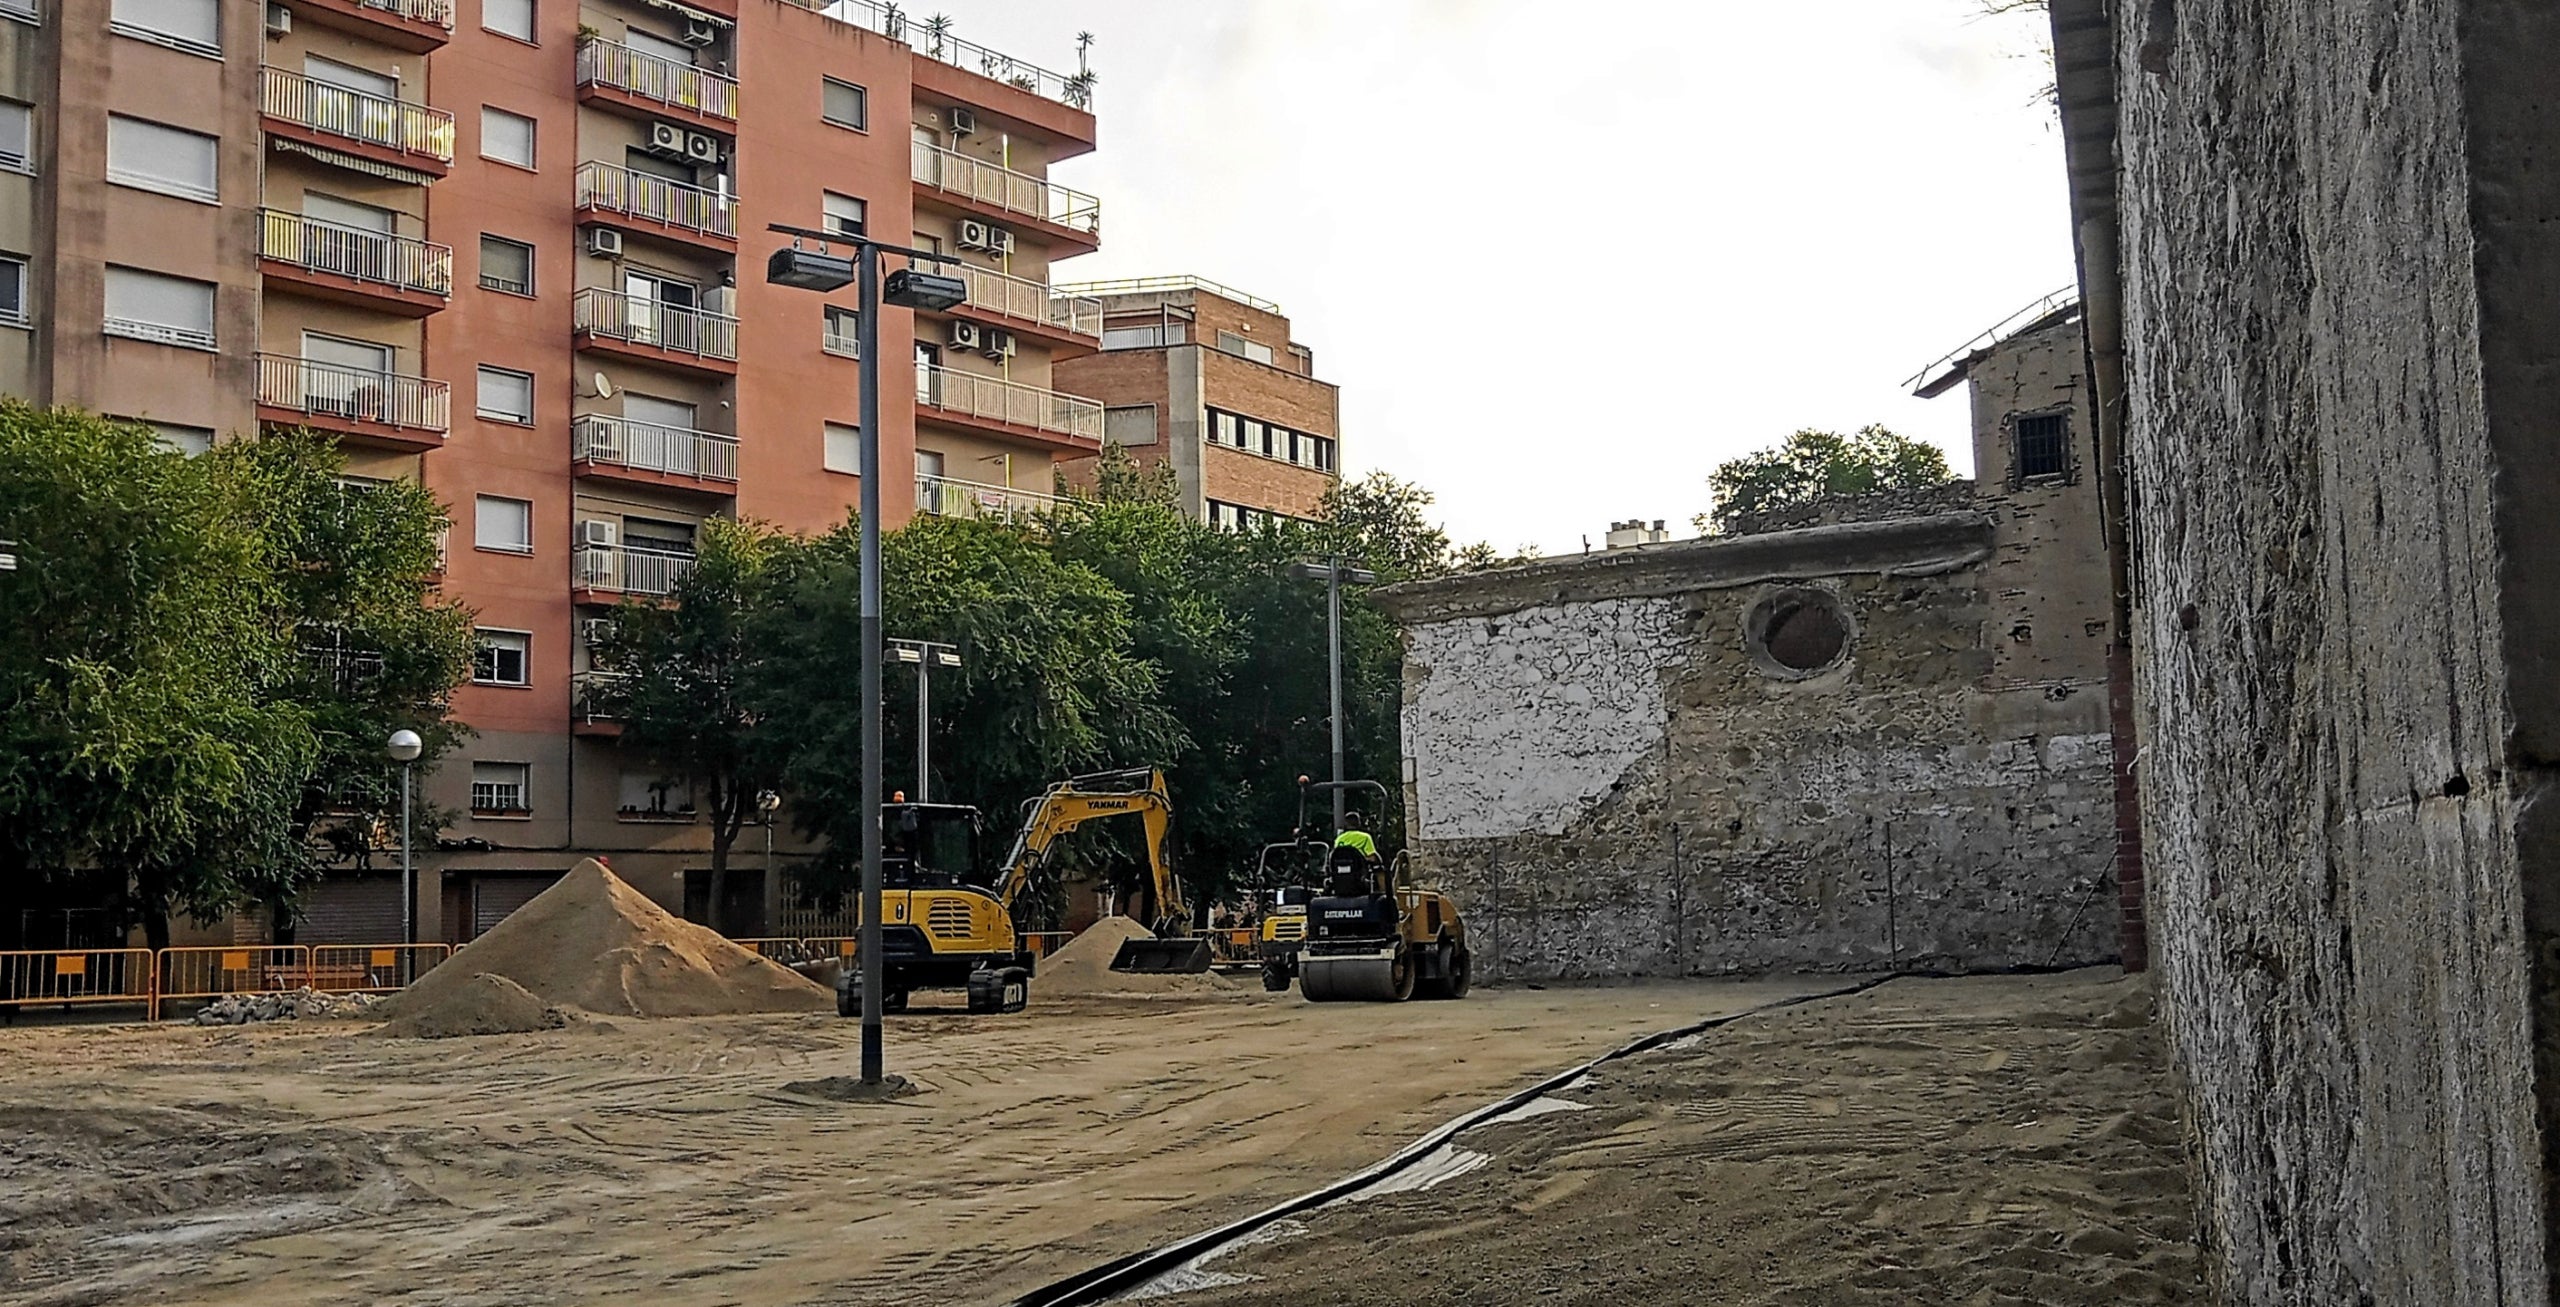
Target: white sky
(1564,260)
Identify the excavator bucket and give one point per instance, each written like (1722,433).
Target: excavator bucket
(1162,956)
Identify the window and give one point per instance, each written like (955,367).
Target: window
(1232,343)
(169,160)
(1796,633)
(13,292)
(844,448)
(503,524)
(2044,446)
(508,18)
(1135,425)
(348,77)
(499,659)
(1257,437)
(506,137)
(501,788)
(506,395)
(846,105)
(929,463)
(194,26)
(1223,429)
(656,46)
(844,214)
(647,796)
(844,328)
(506,265)
(1322,454)
(658,537)
(1147,337)
(187,440)
(153,306)
(17,137)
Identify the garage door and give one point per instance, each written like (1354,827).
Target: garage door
(493,897)
(351,910)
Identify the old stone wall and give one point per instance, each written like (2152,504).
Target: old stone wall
(2340,236)
(1613,778)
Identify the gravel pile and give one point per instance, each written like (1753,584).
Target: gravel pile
(299,1005)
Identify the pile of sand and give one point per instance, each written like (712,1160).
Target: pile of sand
(593,943)
(482,1005)
(1083,968)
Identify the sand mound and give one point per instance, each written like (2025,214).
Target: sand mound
(483,1005)
(594,943)
(1083,968)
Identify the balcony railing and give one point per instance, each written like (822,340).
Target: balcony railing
(588,691)
(1031,301)
(1165,286)
(1003,188)
(656,78)
(438,12)
(638,321)
(368,256)
(999,400)
(935,42)
(615,189)
(356,115)
(946,497)
(329,390)
(676,451)
(630,570)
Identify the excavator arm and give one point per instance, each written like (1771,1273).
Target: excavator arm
(1073,802)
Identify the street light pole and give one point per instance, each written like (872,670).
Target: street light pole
(404,748)
(1333,572)
(821,271)
(926,655)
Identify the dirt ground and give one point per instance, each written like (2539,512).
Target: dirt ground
(1980,1141)
(662,1160)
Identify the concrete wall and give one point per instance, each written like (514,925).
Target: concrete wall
(2340,250)
(1612,781)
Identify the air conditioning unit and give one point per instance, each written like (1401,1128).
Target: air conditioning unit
(964,335)
(963,122)
(666,139)
(973,234)
(596,534)
(604,242)
(999,241)
(702,147)
(279,21)
(696,33)
(999,343)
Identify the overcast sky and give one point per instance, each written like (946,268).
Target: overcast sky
(1563,259)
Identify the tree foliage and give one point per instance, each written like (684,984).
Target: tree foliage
(1814,466)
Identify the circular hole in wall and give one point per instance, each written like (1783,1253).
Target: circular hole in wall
(1798,632)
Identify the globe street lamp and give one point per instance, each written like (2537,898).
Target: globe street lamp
(404,749)
(823,271)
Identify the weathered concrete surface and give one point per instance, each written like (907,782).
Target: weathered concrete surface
(1612,783)
(2340,246)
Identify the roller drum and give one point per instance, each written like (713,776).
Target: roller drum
(1355,980)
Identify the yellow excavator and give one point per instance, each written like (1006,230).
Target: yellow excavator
(941,930)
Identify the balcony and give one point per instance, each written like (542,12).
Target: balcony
(412,278)
(1018,303)
(997,407)
(339,122)
(693,339)
(653,86)
(381,409)
(585,718)
(674,457)
(416,26)
(653,206)
(945,497)
(602,574)
(1065,217)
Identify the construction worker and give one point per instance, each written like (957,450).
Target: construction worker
(1355,835)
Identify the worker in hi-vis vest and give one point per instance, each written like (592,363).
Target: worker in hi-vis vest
(1355,835)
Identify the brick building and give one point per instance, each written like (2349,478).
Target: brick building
(1207,380)
(514,249)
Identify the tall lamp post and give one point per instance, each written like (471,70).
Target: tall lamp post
(926,655)
(404,748)
(1333,572)
(767,804)
(823,271)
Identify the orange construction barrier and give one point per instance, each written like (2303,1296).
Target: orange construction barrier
(44,977)
(371,968)
(779,949)
(211,972)
(1042,943)
(830,946)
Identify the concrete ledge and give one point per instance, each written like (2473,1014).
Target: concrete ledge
(1908,546)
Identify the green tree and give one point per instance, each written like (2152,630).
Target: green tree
(377,650)
(1814,466)
(680,681)
(142,758)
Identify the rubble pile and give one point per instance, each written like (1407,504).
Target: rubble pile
(297,1005)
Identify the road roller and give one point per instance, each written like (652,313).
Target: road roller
(1370,938)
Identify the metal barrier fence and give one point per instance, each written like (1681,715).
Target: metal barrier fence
(213,971)
(371,968)
(46,977)
(1042,943)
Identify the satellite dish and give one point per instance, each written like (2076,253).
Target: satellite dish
(604,386)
